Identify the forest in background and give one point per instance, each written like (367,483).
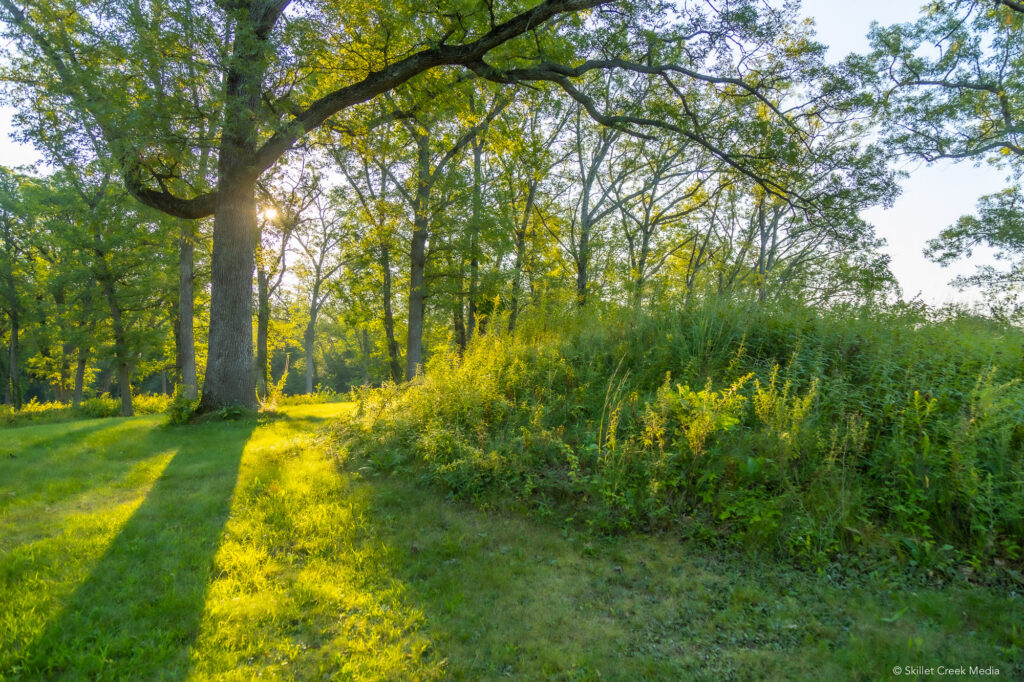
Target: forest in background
(635,157)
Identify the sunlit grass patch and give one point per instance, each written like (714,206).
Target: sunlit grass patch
(303,588)
(54,533)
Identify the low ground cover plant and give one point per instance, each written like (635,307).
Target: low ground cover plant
(36,412)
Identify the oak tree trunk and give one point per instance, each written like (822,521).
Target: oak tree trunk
(229,377)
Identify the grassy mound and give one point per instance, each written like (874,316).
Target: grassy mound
(813,435)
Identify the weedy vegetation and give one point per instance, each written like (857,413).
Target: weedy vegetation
(843,441)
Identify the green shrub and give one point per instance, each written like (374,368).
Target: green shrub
(322,394)
(102,406)
(181,408)
(35,411)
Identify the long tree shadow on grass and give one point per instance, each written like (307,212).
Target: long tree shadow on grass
(138,613)
(62,461)
(505,596)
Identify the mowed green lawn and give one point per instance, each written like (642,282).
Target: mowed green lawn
(236,550)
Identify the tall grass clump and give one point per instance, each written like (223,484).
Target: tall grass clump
(811,434)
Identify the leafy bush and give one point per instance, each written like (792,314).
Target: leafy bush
(181,408)
(275,390)
(102,406)
(34,411)
(322,394)
(813,435)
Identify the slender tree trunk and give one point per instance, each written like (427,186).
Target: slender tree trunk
(389,316)
(583,264)
(121,357)
(5,379)
(459,324)
(186,315)
(121,349)
(309,338)
(517,274)
(63,383)
(476,216)
(124,383)
(641,273)
(262,331)
(366,351)
(513,315)
(474,292)
(417,264)
(13,389)
(62,388)
(583,254)
(763,233)
(417,261)
(76,397)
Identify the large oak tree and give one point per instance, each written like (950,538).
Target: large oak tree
(171,82)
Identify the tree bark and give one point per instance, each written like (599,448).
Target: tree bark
(13,388)
(76,397)
(262,331)
(583,262)
(120,349)
(517,273)
(418,260)
(389,316)
(308,339)
(763,234)
(366,351)
(230,379)
(459,324)
(474,237)
(124,384)
(63,389)
(417,263)
(186,311)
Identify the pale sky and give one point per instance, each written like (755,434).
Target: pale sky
(933,196)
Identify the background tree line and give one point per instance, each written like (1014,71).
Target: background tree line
(368,216)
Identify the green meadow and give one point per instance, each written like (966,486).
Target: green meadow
(259,548)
